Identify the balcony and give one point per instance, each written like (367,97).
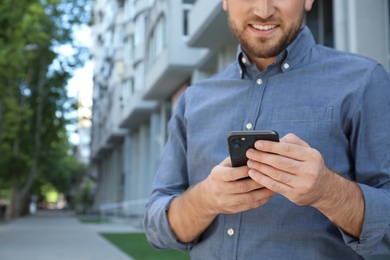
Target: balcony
(208,25)
(136,112)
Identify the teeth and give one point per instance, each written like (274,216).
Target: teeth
(264,27)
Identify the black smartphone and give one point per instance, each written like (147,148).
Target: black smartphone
(240,141)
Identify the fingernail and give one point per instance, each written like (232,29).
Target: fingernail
(249,163)
(259,144)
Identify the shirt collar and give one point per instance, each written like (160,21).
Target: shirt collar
(287,59)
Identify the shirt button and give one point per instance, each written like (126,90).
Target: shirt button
(249,126)
(230,232)
(259,81)
(243,60)
(286,65)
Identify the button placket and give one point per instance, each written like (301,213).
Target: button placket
(256,92)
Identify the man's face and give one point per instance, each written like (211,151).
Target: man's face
(264,28)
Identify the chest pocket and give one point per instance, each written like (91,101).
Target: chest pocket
(302,114)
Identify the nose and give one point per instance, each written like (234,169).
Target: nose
(264,8)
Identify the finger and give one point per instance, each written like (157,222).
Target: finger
(251,200)
(293,139)
(269,183)
(277,161)
(284,177)
(244,186)
(229,173)
(290,150)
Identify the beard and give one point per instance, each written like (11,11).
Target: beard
(264,47)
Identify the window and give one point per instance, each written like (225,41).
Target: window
(161,40)
(157,40)
(139,30)
(128,90)
(107,66)
(131,47)
(139,77)
(121,3)
(119,35)
(185,21)
(320,22)
(186,12)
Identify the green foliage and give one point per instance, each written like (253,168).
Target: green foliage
(4,194)
(33,94)
(84,197)
(49,192)
(66,173)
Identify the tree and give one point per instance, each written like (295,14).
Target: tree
(33,96)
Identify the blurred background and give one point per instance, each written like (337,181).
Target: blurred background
(87,88)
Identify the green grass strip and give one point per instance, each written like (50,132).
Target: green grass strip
(93,220)
(136,246)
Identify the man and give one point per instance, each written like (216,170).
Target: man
(322,192)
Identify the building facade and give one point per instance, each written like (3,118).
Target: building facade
(146,52)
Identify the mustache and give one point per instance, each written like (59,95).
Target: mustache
(256,19)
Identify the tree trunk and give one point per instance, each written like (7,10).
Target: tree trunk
(19,194)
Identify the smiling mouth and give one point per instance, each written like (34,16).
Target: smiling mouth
(263,27)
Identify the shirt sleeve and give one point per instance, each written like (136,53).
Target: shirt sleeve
(370,142)
(171,180)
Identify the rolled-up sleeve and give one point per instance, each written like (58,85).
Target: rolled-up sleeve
(371,146)
(171,180)
(375,236)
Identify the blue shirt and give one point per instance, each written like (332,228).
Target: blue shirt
(339,103)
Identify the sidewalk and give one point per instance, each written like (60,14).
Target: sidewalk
(58,235)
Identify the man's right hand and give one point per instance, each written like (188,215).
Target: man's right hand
(226,190)
(230,190)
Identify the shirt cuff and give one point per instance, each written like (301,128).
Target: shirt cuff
(158,229)
(376,223)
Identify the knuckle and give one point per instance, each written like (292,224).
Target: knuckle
(316,155)
(243,186)
(275,186)
(244,199)
(288,149)
(287,164)
(312,173)
(258,156)
(305,188)
(275,174)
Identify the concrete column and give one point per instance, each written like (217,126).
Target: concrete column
(155,148)
(371,29)
(361,27)
(134,167)
(127,167)
(341,28)
(145,162)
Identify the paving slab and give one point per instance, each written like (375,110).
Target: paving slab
(58,235)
